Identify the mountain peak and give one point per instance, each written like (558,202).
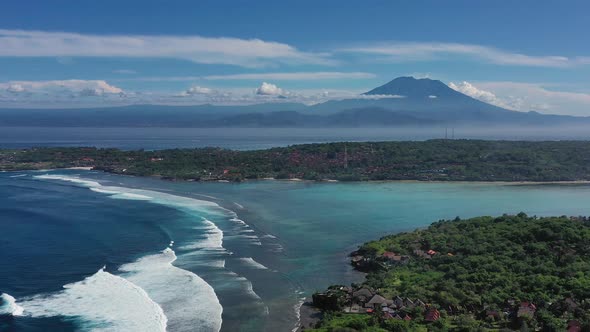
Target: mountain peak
(411,87)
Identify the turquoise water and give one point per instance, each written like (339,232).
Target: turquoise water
(243,254)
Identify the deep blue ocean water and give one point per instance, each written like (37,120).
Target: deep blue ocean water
(242,257)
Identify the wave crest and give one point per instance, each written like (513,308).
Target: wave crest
(109,302)
(9,306)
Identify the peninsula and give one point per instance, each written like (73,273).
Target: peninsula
(513,272)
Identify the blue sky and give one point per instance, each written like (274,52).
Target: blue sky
(524,55)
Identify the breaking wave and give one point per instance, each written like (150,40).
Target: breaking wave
(187,300)
(250,262)
(105,301)
(9,306)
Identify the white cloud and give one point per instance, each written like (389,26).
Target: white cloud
(479,94)
(197,90)
(201,95)
(528,97)
(268,89)
(222,50)
(15,88)
(45,94)
(418,51)
(94,93)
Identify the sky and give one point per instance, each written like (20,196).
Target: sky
(522,55)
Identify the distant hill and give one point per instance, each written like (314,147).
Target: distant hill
(402,102)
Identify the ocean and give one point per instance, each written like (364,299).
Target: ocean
(85,250)
(259,138)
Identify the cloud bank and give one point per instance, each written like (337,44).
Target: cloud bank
(479,94)
(418,51)
(253,52)
(80,87)
(527,97)
(206,50)
(59,93)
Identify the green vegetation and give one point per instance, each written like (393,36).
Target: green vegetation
(443,160)
(510,272)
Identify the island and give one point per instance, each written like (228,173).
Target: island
(513,272)
(432,160)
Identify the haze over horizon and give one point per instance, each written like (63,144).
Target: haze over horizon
(68,54)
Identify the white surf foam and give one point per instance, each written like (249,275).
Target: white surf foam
(83,182)
(9,306)
(211,197)
(239,221)
(188,301)
(18,175)
(217,263)
(121,195)
(297,308)
(198,304)
(181,202)
(107,302)
(252,263)
(213,235)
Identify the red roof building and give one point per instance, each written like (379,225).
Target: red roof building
(432,315)
(389,255)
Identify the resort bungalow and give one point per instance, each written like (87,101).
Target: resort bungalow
(394,258)
(378,301)
(432,315)
(419,303)
(409,303)
(362,295)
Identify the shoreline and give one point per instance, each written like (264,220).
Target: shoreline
(505,183)
(309,316)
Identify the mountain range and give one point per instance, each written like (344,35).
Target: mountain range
(402,102)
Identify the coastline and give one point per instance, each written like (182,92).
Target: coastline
(336,299)
(434,161)
(309,316)
(504,183)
